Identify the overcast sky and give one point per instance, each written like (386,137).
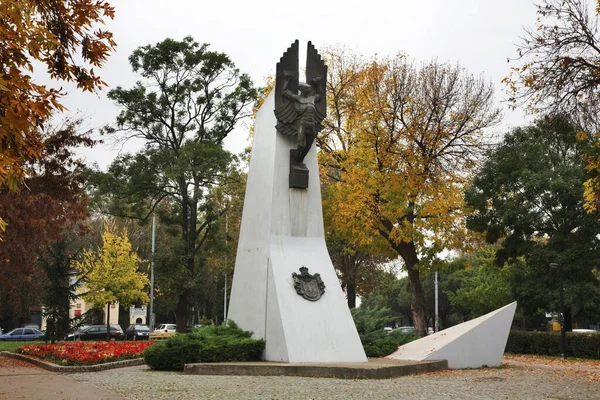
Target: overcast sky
(478,34)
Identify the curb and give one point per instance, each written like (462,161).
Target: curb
(73,368)
(371,370)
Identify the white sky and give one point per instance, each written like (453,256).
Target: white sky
(479,34)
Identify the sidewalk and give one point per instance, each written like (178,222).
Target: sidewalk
(22,380)
(520,378)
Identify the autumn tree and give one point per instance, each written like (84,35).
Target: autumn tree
(358,265)
(110,273)
(188,100)
(398,149)
(61,35)
(53,203)
(558,74)
(529,196)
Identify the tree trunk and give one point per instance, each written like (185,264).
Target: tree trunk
(188,235)
(408,252)
(417,302)
(108,322)
(568,319)
(350,268)
(351,293)
(181,312)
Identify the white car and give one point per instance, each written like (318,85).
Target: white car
(585,331)
(166,328)
(163,331)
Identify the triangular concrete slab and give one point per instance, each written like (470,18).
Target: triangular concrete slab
(472,344)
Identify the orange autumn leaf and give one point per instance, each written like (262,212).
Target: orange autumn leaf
(55,33)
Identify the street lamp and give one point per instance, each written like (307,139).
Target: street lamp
(563,337)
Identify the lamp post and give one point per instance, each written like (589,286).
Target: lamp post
(563,336)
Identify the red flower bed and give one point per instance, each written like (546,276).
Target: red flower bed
(86,353)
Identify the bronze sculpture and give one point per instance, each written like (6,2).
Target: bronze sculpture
(300,114)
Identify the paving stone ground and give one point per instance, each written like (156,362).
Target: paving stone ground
(517,378)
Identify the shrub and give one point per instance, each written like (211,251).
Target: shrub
(376,342)
(173,353)
(206,344)
(549,344)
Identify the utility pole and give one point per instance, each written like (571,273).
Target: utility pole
(152,272)
(563,337)
(437,325)
(225,291)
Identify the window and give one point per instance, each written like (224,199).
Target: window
(29,332)
(17,332)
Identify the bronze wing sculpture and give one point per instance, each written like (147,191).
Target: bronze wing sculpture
(300,107)
(316,72)
(286,74)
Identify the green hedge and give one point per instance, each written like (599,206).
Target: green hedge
(581,345)
(376,342)
(207,344)
(380,344)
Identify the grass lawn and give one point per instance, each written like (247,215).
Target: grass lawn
(11,346)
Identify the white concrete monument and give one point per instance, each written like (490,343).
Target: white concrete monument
(285,289)
(472,344)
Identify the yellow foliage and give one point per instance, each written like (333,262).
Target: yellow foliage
(111,272)
(394,162)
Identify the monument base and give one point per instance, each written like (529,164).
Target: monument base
(298,329)
(298,172)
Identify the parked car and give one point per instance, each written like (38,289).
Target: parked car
(166,328)
(76,332)
(585,331)
(192,327)
(23,334)
(163,331)
(137,332)
(406,329)
(98,332)
(388,329)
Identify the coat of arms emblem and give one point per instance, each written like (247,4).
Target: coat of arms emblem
(311,287)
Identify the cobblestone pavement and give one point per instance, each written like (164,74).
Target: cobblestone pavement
(514,380)
(518,378)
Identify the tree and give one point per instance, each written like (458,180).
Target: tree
(399,153)
(59,289)
(482,286)
(189,100)
(360,270)
(60,35)
(53,203)
(110,274)
(559,74)
(529,197)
